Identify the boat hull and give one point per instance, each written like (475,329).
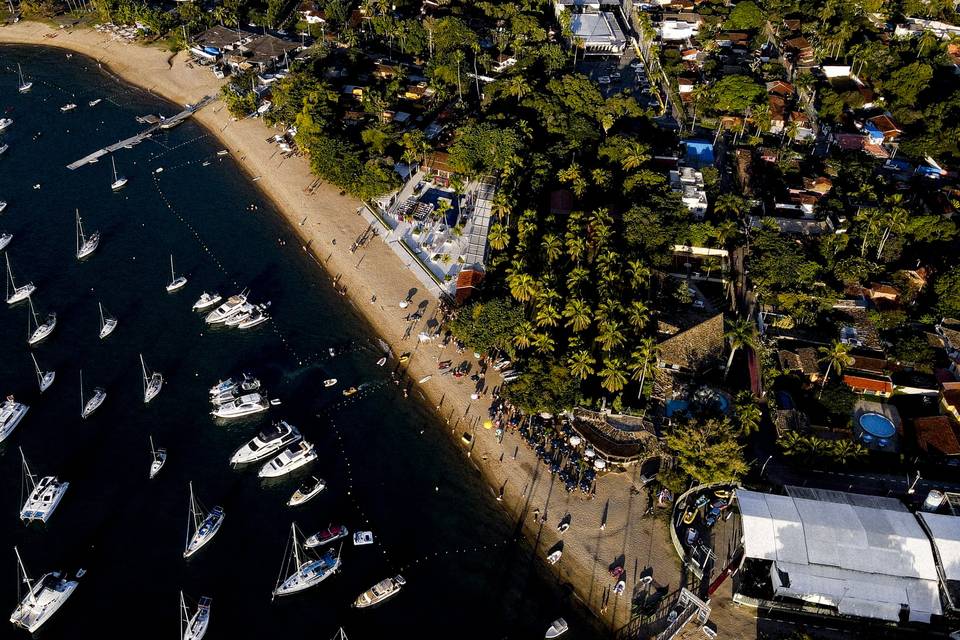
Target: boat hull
(32,616)
(15,416)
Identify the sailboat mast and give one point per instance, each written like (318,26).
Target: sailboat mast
(114,163)
(36,366)
(192,520)
(28,476)
(173,276)
(10,275)
(79,231)
(296,544)
(144,367)
(26,577)
(82,403)
(101,315)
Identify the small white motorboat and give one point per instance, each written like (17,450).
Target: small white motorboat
(5,239)
(70,106)
(557,629)
(379,592)
(5,122)
(330,382)
(362,538)
(382,361)
(293,457)
(307,491)
(206,301)
(94,103)
(328,535)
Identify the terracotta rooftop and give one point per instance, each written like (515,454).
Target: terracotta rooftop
(935,435)
(868,384)
(691,347)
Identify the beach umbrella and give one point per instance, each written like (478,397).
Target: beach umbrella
(599,464)
(575,440)
(546,416)
(488,424)
(589,452)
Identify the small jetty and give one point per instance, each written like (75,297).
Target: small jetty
(166,123)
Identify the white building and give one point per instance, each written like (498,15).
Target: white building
(688,182)
(679,26)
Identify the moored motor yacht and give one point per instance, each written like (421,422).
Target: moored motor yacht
(245,384)
(557,629)
(306,491)
(230,306)
(293,457)
(328,535)
(379,592)
(257,316)
(206,301)
(11,413)
(242,314)
(70,106)
(243,406)
(266,443)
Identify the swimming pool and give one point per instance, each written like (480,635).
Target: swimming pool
(877,425)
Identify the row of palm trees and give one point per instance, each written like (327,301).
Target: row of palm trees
(811,448)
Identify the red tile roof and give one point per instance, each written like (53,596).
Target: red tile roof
(868,384)
(935,435)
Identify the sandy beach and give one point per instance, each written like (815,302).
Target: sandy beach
(606,529)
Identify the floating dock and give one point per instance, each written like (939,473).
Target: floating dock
(167,123)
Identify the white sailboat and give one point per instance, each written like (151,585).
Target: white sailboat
(119,182)
(200,528)
(194,627)
(5,239)
(308,570)
(152,382)
(23,87)
(175,282)
(107,323)
(44,378)
(11,413)
(42,599)
(91,405)
(158,456)
(85,245)
(16,294)
(42,497)
(43,330)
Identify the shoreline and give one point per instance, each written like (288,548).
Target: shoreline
(604,528)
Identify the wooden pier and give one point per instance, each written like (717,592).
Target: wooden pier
(167,123)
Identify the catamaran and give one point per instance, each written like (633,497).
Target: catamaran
(23,87)
(85,245)
(44,378)
(175,282)
(42,599)
(107,323)
(307,490)
(16,294)
(42,497)
(201,528)
(379,592)
(242,406)
(293,457)
(152,382)
(326,536)
(231,306)
(157,458)
(119,182)
(308,570)
(206,301)
(5,239)
(11,413)
(266,443)
(194,627)
(91,405)
(43,330)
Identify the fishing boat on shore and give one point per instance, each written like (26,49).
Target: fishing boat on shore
(43,496)
(23,87)
(557,629)
(379,592)
(107,323)
(554,557)
(326,536)
(119,182)
(85,245)
(17,294)
(176,283)
(44,378)
(206,301)
(302,568)
(307,490)
(152,382)
(230,306)
(296,455)
(5,239)
(43,598)
(194,627)
(266,443)
(157,459)
(201,526)
(91,405)
(11,413)
(42,331)
(243,406)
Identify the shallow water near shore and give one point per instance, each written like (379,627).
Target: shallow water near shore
(389,464)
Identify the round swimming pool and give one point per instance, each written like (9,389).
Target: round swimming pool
(877,425)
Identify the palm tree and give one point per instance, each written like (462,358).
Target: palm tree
(517,87)
(552,247)
(837,357)
(524,335)
(741,333)
(543,343)
(547,316)
(642,357)
(581,364)
(870,217)
(895,220)
(576,277)
(612,373)
(729,205)
(601,177)
(522,286)
(576,247)
(792,443)
(748,413)
(724,232)
(577,313)
(499,237)
(639,273)
(570,174)
(636,155)
(638,314)
(501,205)
(844,451)
(611,335)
